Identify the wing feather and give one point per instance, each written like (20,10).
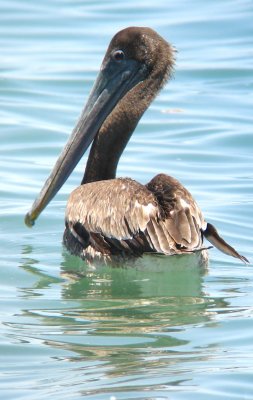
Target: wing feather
(182,223)
(123,216)
(181,215)
(117,209)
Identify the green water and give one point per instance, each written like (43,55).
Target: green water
(161,330)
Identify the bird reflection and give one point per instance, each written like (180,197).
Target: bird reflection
(125,320)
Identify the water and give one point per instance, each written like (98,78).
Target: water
(156,332)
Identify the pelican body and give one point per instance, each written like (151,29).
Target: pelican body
(109,217)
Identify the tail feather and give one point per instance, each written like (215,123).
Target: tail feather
(213,237)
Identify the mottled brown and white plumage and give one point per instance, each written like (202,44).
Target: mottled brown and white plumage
(109,217)
(122,217)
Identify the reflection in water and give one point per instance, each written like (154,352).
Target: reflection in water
(104,333)
(32,266)
(153,278)
(127,319)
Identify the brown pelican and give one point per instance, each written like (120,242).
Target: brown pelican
(108,216)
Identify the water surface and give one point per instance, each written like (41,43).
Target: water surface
(160,331)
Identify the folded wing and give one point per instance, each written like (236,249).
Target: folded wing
(121,216)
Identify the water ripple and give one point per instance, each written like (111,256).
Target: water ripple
(154,333)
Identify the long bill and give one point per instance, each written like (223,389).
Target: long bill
(112,83)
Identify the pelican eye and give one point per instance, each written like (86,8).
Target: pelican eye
(118,55)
